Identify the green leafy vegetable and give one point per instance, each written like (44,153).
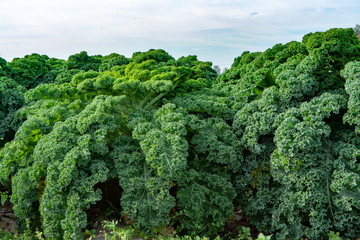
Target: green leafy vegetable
(276,135)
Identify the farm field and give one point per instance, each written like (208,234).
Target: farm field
(268,149)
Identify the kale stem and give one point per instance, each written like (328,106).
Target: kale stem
(155,100)
(329,197)
(329,160)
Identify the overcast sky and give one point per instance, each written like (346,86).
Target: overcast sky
(214,30)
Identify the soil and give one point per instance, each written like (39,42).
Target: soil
(107,211)
(7,218)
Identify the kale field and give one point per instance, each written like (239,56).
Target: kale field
(169,146)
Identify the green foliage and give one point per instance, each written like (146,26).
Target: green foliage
(15,78)
(102,125)
(357,29)
(158,55)
(113,60)
(117,232)
(352,74)
(244,233)
(30,70)
(82,61)
(11,99)
(3,197)
(300,177)
(276,135)
(4,69)
(334,236)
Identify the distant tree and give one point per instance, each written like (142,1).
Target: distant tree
(224,69)
(357,29)
(217,69)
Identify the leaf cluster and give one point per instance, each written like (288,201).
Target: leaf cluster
(296,124)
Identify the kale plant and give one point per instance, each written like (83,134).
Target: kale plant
(117,124)
(297,122)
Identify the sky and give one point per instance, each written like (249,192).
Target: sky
(214,30)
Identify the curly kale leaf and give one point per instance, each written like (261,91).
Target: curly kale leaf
(83,61)
(351,73)
(146,196)
(30,70)
(162,140)
(113,60)
(305,165)
(217,148)
(11,99)
(206,104)
(205,200)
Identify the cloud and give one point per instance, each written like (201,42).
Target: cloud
(218,29)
